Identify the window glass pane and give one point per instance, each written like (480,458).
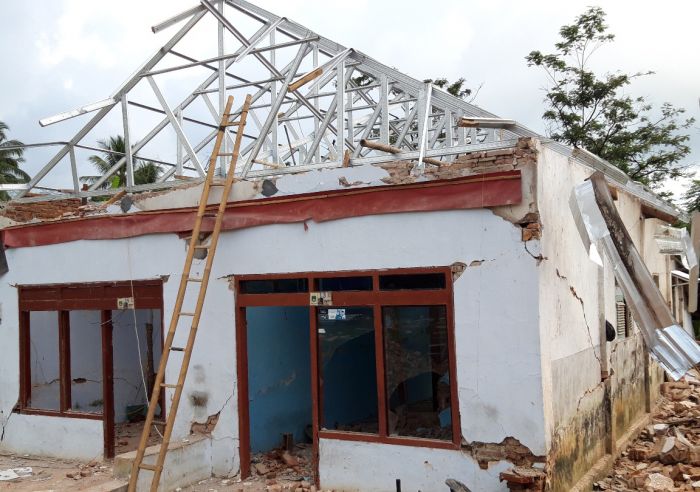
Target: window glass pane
(417,371)
(276,286)
(44,362)
(136,342)
(345,283)
(86,361)
(412,282)
(348,369)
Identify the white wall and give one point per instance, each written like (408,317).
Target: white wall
(348,465)
(496,309)
(572,357)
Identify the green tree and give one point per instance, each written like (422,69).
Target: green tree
(455,88)
(691,198)
(592,111)
(115,148)
(10,159)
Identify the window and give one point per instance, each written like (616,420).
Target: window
(417,371)
(412,281)
(385,366)
(65,361)
(624,315)
(348,367)
(44,361)
(345,283)
(276,286)
(66,346)
(382,361)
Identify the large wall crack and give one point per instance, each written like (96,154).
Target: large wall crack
(588,327)
(208,426)
(5,424)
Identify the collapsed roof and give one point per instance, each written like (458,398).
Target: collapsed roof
(316,105)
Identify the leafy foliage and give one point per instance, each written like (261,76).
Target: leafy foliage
(691,198)
(10,159)
(592,111)
(455,88)
(115,148)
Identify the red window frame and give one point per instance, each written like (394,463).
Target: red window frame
(374,298)
(64,298)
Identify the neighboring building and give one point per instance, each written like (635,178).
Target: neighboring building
(465,331)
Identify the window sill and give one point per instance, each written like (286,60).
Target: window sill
(56,413)
(400,441)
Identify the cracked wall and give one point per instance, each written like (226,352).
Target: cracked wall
(497,344)
(582,415)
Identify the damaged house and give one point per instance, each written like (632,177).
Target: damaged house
(400,284)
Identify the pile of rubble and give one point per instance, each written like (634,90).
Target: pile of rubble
(666,455)
(282,469)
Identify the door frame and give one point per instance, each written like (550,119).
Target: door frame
(342,298)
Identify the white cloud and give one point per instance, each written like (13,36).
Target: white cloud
(87,47)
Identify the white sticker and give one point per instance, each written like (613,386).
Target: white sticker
(322,331)
(336,314)
(125,303)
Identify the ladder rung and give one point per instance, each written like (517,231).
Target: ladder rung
(165,385)
(214,183)
(152,468)
(201,246)
(226,154)
(209,214)
(193,279)
(186,314)
(177,349)
(232,123)
(159,422)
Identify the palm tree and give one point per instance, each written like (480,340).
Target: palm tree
(10,159)
(115,148)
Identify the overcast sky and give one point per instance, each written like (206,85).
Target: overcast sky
(61,54)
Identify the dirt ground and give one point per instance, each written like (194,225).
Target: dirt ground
(128,434)
(48,474)
(666,455)
(274,471)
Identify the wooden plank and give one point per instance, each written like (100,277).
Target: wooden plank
(305,79)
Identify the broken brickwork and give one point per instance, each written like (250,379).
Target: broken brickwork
(28,212)
(522,154)
(666,455)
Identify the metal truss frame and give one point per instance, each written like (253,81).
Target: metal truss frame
(302,119)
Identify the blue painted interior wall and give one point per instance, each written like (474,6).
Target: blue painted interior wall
(279,375)
(350,383)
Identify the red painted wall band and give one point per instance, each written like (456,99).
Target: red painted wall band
(485,190)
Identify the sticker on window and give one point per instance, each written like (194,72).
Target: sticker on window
(336,314)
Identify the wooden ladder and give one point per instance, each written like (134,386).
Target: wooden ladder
(178,313)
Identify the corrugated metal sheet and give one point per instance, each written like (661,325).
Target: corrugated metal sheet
(671,346)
